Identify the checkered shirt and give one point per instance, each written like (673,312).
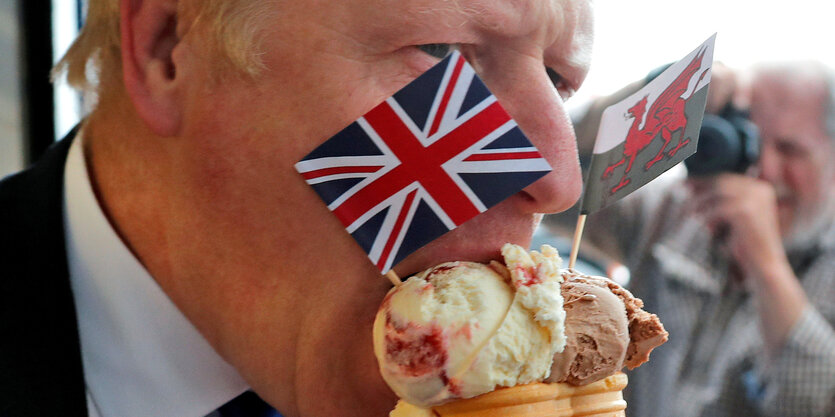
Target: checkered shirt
(715,363)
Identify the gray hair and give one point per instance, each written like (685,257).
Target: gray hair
(808,70)
(829,105)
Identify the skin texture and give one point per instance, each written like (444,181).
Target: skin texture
(197,177)
(784,202)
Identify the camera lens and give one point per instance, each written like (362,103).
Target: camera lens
(727,143)
(719,147)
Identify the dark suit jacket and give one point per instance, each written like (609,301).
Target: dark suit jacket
(40,357)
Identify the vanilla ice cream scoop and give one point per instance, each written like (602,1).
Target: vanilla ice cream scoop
(461,329)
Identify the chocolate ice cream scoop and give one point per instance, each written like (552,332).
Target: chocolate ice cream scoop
(606,329)
(597,334)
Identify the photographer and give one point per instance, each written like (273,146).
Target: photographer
(741,266)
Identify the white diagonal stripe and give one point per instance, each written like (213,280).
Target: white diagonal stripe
(342,161)
(439,94)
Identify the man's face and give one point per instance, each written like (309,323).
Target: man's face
(796,150)
(330,62)
(268,254)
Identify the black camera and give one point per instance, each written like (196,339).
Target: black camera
(728,142)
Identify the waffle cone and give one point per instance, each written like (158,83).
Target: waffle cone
(603,398)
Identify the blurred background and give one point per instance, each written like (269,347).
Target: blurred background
(33,36)
(633,37)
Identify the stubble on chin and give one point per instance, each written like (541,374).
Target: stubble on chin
(809,225)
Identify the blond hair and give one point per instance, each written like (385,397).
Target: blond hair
(93,62)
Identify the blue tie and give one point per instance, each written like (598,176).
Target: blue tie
(247,404)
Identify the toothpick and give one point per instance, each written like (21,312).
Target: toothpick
(575,245)
(392,276)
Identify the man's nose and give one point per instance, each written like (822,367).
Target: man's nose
(524,89)
(561,188)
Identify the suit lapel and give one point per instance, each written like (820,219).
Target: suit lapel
(40,358)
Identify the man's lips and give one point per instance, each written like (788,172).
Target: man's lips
(478,240)
(423,261)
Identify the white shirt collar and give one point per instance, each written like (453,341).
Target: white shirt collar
(141,356)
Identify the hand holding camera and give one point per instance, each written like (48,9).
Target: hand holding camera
(740,210)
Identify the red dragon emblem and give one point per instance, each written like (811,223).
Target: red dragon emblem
(666,116)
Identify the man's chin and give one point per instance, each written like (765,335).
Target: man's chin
(805,230)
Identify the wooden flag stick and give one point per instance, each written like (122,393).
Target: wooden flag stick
(575,245)
(392,276)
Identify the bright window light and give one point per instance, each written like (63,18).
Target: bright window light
(634,37)
(65,24)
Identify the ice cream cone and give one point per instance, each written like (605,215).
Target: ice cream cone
(603,398)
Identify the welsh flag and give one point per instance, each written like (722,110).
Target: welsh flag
(650,131)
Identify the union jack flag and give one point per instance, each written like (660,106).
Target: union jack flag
(434,155)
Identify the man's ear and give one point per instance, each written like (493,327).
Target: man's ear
(149,36)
